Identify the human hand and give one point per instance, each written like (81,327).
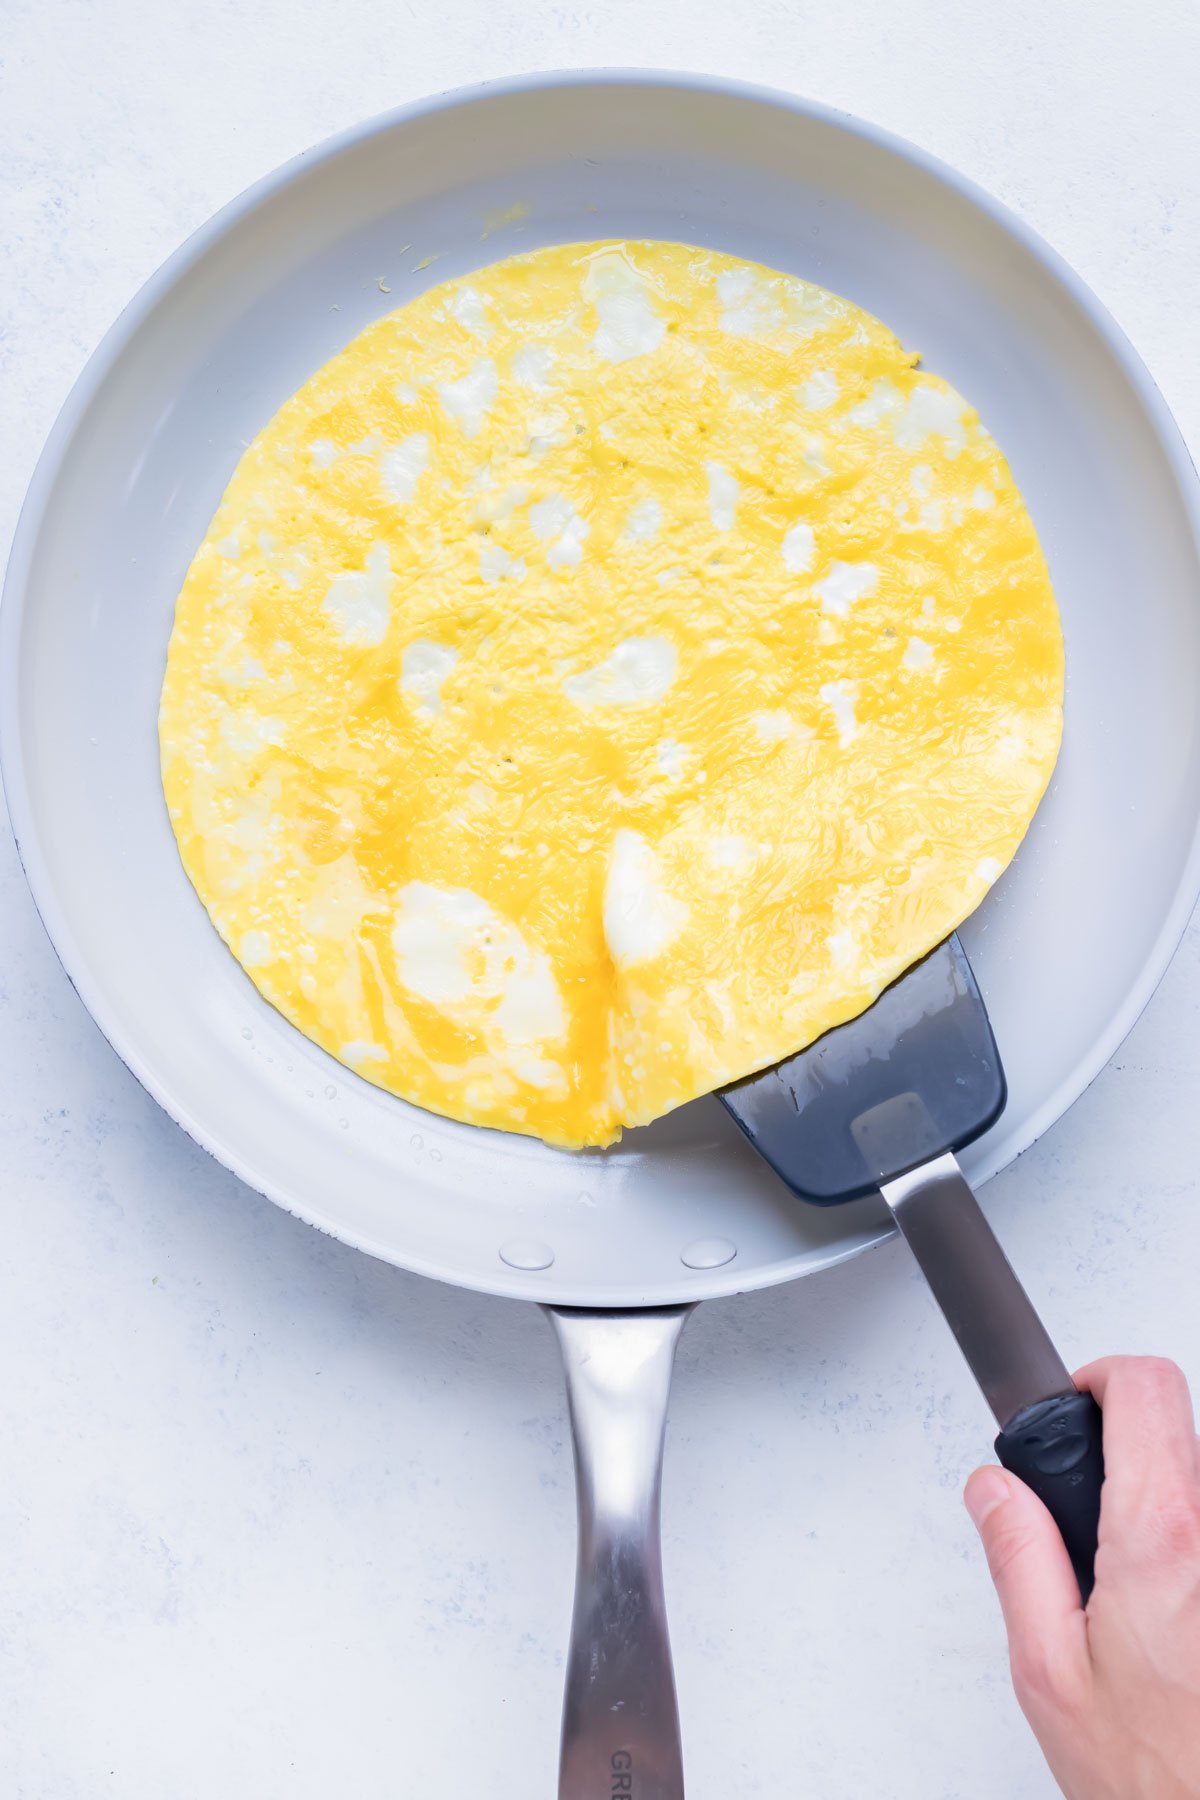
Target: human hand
(1113,1693)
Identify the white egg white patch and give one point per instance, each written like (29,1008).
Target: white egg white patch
(799,549)
(640,917)
(423,668)
(843,948)
(820,391)
(723,491)
(670,759)
(627,322)
(403,465)
(555,517)
(548,430)
(845,583)
(917,654)
(773,726)
(930,410)
(359,602)
(532,366)
(637,673)
(814,456)
(644,521)
(469,400)
(748,307)
(840,696)
(498,564)
(882,398)
(471,310)
(808,308)
(455,951)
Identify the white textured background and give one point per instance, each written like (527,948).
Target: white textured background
(276,1521)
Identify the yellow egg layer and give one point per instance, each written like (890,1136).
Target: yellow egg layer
(604,676)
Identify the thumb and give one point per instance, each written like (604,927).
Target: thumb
(1029,1564)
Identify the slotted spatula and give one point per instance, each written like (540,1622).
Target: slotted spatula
(882,1104)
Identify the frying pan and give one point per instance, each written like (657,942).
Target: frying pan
(621,1243)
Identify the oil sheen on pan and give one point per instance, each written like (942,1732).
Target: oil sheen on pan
(605,675)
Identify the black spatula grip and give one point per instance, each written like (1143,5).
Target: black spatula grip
(1056,1447)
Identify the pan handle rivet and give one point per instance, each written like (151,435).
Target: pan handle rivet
(708,1253)
(526,1253)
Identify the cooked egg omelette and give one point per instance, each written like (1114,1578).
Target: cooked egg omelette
(605,675)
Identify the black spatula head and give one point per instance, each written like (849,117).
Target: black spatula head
(915,1075)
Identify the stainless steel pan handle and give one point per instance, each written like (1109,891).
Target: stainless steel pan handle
(620,1719)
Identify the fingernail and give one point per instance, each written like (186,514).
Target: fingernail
(984,1492)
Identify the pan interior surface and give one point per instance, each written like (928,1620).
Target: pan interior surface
(1067,948)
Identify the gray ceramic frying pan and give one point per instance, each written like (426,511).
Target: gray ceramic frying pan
(1067,949)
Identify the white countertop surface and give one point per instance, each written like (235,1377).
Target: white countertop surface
(276,1520)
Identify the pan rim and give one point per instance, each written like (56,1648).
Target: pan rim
(123,331)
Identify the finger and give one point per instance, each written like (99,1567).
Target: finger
(1028,1560)
(1149,1426)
